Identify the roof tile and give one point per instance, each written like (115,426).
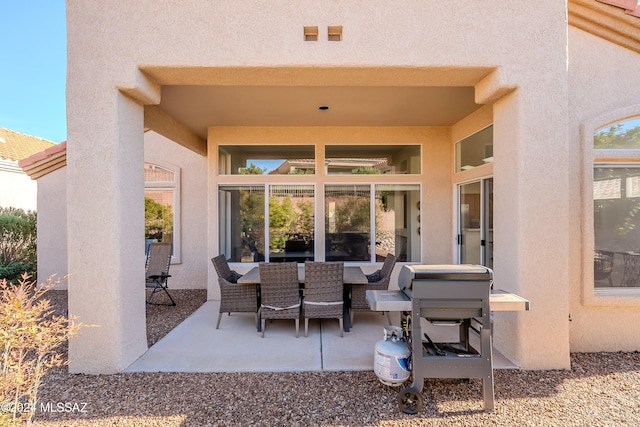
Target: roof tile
(17,146)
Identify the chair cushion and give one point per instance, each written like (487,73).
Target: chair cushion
(233,278)
(374,277)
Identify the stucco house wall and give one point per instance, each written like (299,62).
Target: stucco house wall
(514,55)
(18,190)
(604,89)
(52,227)
(189,273)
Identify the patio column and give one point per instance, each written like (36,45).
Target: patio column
(531,217)
(105,218)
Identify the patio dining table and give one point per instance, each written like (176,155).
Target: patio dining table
(353,275)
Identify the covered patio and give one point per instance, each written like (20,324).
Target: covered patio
(196,345)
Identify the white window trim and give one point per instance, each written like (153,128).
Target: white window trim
(174,185)
(592,296)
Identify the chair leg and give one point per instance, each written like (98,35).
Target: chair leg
(351,312)
(263,326)
(306,327)
(341,326)
(297,327)
(164,288)
(219,318)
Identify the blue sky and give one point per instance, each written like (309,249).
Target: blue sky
(33,51)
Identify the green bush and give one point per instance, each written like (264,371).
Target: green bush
(17,243)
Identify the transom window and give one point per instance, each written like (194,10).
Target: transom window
(475,150)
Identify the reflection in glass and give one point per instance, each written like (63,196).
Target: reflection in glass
(155,173)
(621,135)
(291,223)
(372,159)
(475,150)
(347,222)
(470,231)
(158,215)
(397,222)
(241,222)
(266,159)
(616,216)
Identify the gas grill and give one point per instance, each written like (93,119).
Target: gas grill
(455,295)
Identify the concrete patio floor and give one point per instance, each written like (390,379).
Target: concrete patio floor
(197,346)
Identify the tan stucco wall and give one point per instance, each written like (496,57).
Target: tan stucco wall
(604,88)
(384,44)
(191,272)
(52,227)
(17,189)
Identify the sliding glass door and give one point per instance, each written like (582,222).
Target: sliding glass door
(475,222)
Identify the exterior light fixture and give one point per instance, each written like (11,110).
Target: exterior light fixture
(323,107)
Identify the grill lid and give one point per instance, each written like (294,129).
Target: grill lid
(453,272)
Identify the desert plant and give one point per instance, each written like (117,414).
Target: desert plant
(17,243)
(30,336)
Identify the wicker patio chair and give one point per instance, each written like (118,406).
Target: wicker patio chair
(378,280)
(323,292)
(157,271)
(234,297)
(279,292)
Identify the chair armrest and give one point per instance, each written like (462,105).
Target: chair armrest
(158,276)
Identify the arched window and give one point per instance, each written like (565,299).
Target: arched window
(616,204)
(162,206)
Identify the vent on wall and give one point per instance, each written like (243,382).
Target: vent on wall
(311,34)
(335,33)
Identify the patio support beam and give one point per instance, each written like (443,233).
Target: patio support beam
(162,123)
(531,217)
(105,219)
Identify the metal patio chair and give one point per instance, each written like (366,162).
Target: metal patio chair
(279,292)
(603,266)
(157,271)
(323,292)
(234,297)
(378,280)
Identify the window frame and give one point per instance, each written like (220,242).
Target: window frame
(592,158)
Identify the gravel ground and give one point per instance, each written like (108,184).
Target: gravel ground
(601,389)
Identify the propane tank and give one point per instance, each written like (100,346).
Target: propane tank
(392,358)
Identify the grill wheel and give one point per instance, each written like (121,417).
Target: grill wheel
(410,401)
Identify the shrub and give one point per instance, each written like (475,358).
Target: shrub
(30,335)
(17,243)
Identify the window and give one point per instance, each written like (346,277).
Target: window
(348,222)
(266,159)
(616,207)
(241,227)
(161,206)
(291,223)
(318,215)
(397,221)
(620,136)
(372,159)
(475,150)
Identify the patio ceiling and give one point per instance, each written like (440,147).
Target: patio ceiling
(199,106)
